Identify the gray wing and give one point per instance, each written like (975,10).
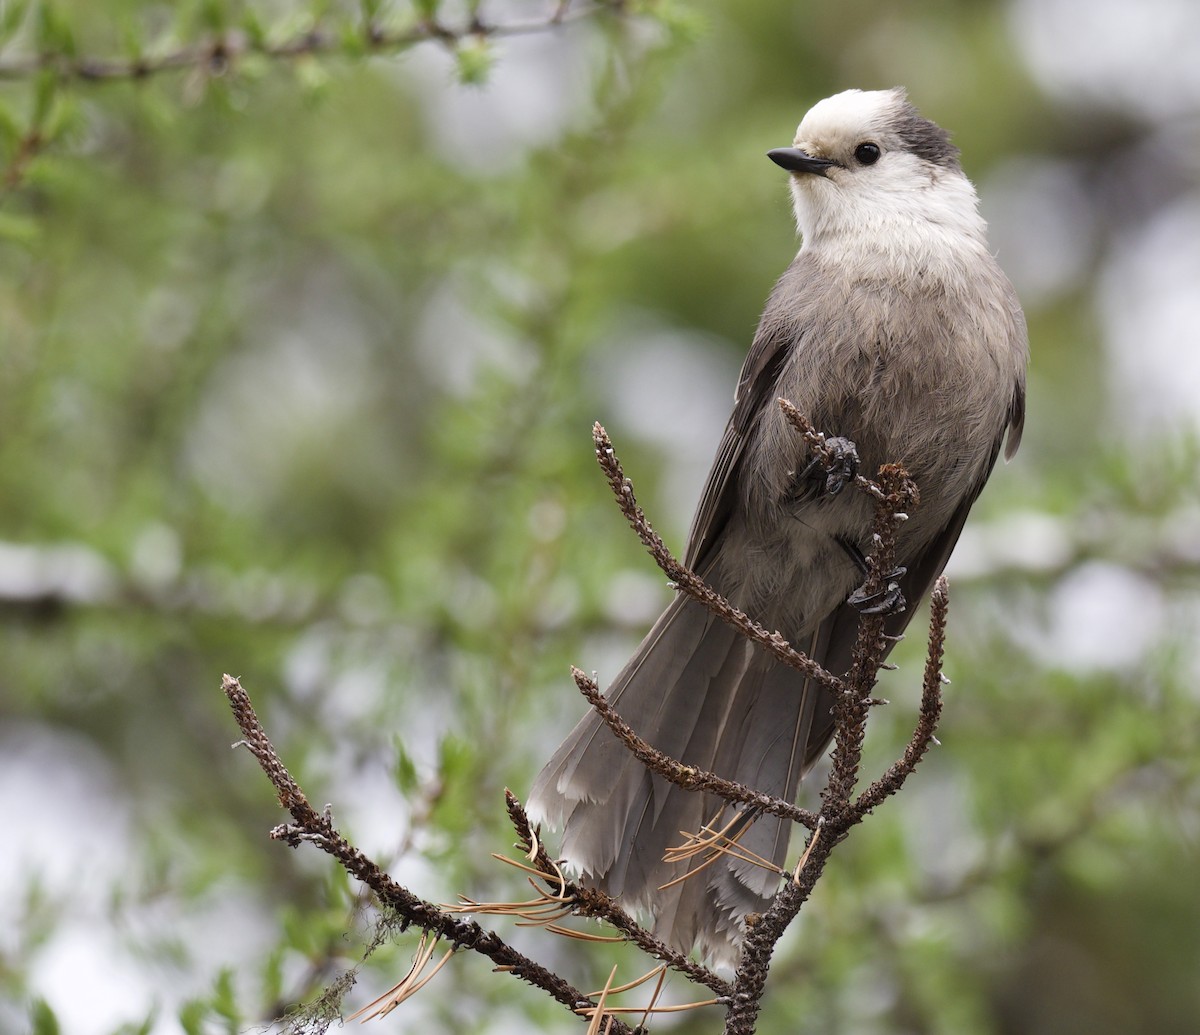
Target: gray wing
(773,342)
(1019,345)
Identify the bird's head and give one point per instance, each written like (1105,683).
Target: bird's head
(864,161)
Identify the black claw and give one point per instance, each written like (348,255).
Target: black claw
(887,601)
(840,472)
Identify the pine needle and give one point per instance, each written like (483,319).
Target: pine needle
(718,843)
(607,990)
(407,986)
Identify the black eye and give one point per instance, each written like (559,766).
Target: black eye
(867,154)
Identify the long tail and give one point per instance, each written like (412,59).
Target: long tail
(703,694)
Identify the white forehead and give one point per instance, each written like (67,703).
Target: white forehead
(848,113)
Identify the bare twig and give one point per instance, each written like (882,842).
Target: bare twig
(556,897)
(687,580)
(763,933)
(592,903)
(930,712)
(318,829)
(223,51)
(686,776)
(895,495)
(321,964)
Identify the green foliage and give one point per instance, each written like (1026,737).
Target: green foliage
(43,1021)
(217,1012)
(473,58)
(53,29)
(12,15)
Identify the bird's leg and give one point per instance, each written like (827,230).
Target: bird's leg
(886,601)
(836,465)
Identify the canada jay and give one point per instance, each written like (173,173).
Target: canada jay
(893,328)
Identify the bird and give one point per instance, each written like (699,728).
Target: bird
(893,329)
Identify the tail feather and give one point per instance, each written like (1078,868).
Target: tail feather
(605,799)
(592,783)
(590,750)
(701,693)
(693,739)
(769,755)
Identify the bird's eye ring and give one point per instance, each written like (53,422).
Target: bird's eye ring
(867,154)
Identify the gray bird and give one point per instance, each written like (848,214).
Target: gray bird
(892,328)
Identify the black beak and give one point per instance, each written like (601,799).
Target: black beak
(794,160)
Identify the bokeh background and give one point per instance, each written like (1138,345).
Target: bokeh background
(298,364)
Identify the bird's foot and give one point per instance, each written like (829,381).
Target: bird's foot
(837,467)
(886,601)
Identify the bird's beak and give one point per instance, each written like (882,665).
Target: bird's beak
(794,160)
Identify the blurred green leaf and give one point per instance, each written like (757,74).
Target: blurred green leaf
(45,94)
(52,27)
(404,769)
(313,77)
(42,1019)
(19,229)
(12,15)
(473,58)
(212,15)
(683,21)
(192,1016)
(11,129)
(224,999)
(255,29)
(353,40)
(144,1028)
